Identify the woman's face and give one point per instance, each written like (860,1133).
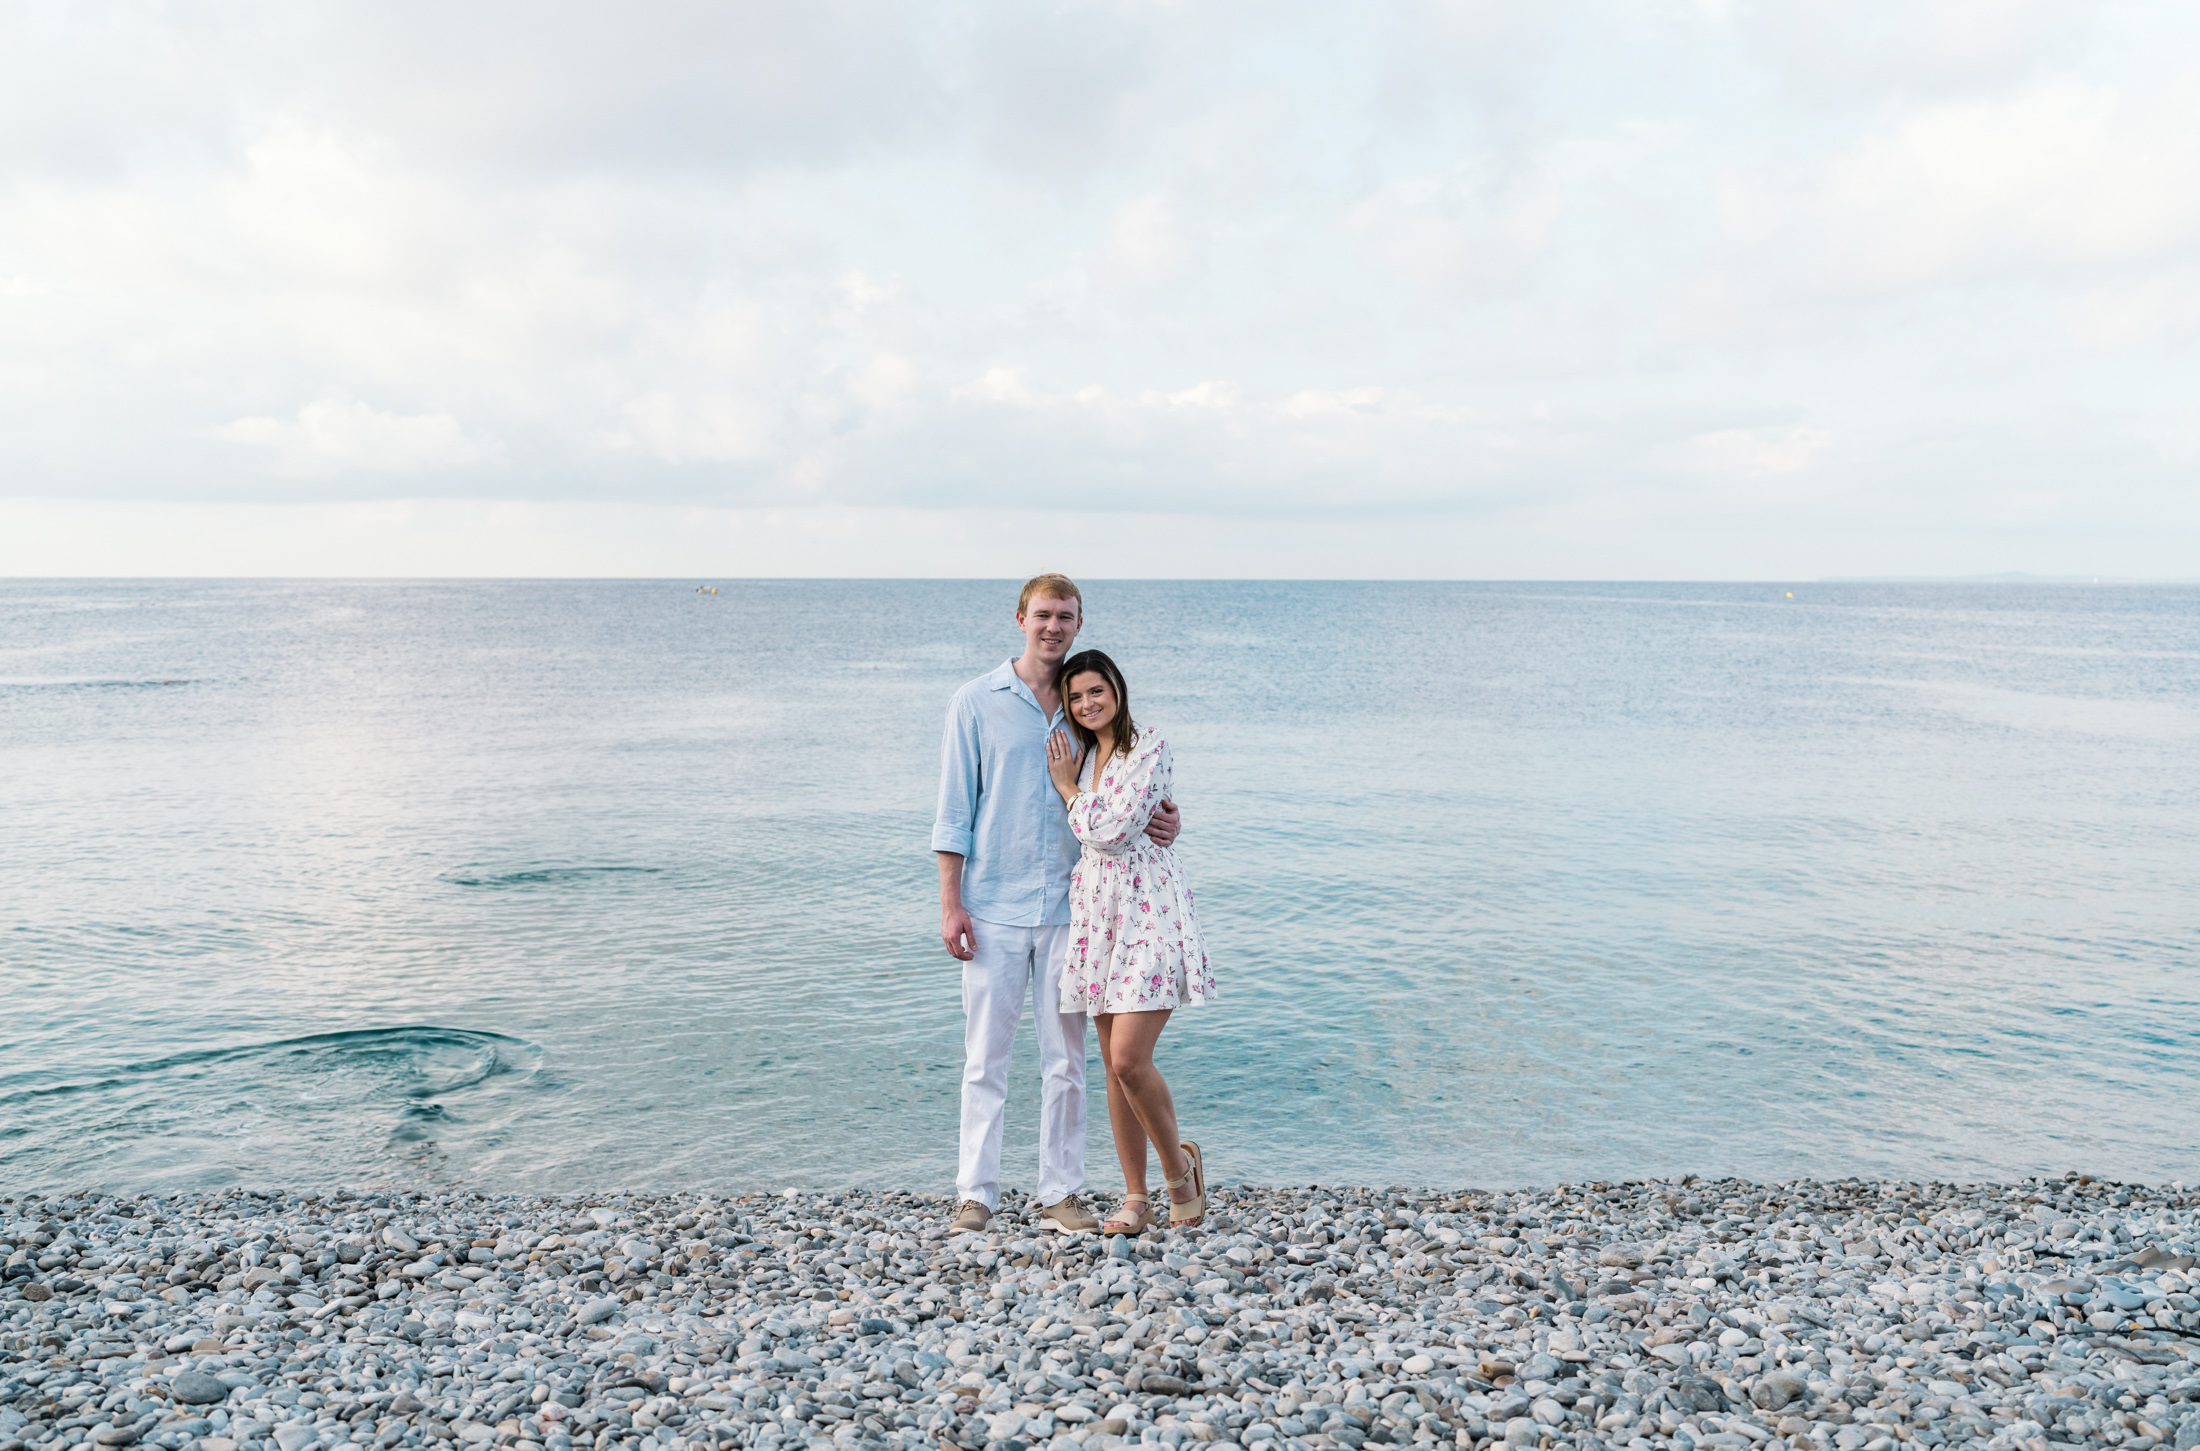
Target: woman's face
(1090,703)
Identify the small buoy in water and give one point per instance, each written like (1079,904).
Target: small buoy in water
(1791,594)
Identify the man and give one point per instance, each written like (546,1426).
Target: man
(1005,853)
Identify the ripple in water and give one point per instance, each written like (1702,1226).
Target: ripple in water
(400,1103)
(71,682)
(544,876)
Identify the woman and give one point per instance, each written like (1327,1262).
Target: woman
(1135,953)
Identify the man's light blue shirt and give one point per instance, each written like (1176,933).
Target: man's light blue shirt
(998,807)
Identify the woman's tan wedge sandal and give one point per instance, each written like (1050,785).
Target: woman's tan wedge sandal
(1190,1207)
(1127,1220)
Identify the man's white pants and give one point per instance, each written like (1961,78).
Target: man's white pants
(1010,963)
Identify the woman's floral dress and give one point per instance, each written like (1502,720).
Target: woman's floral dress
(1134,945)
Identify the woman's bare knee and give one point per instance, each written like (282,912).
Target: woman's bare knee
(1136,1075)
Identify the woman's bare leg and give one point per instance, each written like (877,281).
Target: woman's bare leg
(1130,1136)
(1135,1085)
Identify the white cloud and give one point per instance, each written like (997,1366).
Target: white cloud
(2157,305)
(2060,175)
(1478,257)
(685,430)
(1451,234)
(1214,393)
(1147,245)
(1759,453)
(340,435)
(884,382)
(1865,50)
(1003,385)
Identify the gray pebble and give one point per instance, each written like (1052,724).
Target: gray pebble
(1778,1391)
(1371,1317)
(293,1436)
(197,1388)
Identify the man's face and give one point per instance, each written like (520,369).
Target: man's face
(1050,626)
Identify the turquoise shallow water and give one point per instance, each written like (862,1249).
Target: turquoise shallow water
(576,884)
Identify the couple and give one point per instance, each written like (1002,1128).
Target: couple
(1057,878)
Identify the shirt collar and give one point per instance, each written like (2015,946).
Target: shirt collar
(1006,678)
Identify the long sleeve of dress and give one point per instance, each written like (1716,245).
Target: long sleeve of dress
(1109,817)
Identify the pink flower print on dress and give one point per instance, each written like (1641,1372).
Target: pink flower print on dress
(1140,946)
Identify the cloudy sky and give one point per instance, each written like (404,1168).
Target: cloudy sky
(1699,289)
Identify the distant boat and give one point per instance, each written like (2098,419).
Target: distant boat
(706,589)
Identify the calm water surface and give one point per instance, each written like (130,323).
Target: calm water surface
(575,884)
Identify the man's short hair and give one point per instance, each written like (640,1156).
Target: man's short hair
(1061,586)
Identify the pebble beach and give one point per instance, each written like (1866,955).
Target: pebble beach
(1670,1314)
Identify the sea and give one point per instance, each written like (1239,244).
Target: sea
(563,886)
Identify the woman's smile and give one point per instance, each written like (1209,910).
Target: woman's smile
(1091,703)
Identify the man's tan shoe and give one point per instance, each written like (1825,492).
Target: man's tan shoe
(971,1217)
(1068,1216)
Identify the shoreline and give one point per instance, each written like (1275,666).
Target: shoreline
(1852,1315)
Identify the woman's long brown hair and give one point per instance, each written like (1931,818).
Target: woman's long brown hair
(1093,662)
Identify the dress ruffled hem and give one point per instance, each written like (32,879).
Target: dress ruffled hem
(1164,967)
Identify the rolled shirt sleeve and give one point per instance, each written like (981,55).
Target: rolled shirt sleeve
(962,775)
